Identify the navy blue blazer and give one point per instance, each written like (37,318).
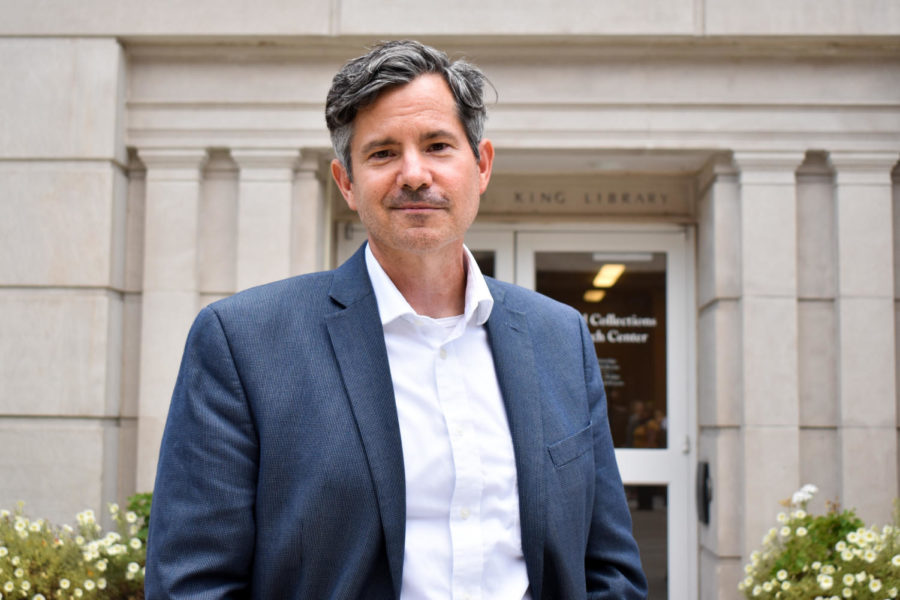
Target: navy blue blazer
(281,472)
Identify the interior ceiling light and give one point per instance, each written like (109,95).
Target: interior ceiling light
(608,275)
(594,295)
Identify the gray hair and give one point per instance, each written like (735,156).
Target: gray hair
(390,64)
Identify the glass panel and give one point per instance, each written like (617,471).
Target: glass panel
(650,521)
(486,260)
(622,297)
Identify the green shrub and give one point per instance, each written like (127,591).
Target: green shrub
(825,557)
(41,561)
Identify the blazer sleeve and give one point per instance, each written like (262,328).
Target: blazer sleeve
(201,539)
(612,561)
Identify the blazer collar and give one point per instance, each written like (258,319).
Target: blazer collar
(358,342)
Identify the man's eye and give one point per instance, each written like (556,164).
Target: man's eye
(438,146)
(380,154)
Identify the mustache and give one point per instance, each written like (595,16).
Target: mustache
(426,196)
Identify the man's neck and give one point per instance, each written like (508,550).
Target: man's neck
(434,284)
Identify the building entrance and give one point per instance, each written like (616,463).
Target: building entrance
(634,287)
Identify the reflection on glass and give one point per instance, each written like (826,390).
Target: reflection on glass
(622,297)
(485,260)
(650,522)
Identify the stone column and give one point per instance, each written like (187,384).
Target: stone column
(865,332)
(768,307)
(264,215)
(169,302)
(309,217)
(719,375)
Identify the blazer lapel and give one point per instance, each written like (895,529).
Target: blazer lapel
(358,341)
(514,362)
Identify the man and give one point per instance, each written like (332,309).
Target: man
(400,427)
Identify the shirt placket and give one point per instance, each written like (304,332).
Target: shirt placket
(465,504)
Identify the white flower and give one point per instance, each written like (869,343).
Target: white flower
(785,585)
(781,575)
(135,543)
(816,566)
(19,573)
(101,583)
(785,531)
(78,593)
(849,579)
(892,592)
(133,567)
(870,556)
(782,518)
(767,586)
(34,527)
(800,497)
(89,585)
(896,560)
(131,516)
(875,585)
(39,597)
(847,555)
(64,584)
(9,586)
(101,564)
(3,551)
(861,576)
(113,508)
(847,593)
(757,590)
(825,581)
(840,546)
(809,489)
(801,531)
(25,585)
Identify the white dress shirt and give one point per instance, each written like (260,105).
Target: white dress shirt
(463,537)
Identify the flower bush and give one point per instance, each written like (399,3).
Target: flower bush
(40,561)
(825,557)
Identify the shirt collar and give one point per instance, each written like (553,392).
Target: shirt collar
(392,305)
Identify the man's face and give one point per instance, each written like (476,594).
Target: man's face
(416,183)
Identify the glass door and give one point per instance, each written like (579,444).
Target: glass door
(633,287)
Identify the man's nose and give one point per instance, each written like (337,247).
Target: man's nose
(414,173)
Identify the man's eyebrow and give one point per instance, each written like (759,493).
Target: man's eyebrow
(439,133)
(379,143)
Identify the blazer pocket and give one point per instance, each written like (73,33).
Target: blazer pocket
(568,449)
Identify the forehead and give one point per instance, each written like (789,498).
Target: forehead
(425,100)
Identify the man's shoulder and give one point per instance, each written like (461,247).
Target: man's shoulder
(299,293)
(522,299)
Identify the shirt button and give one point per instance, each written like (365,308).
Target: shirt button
(443,353)
(464,513)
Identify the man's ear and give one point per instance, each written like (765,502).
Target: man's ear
(342,179)
(485,164)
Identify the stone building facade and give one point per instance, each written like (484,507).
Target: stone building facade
(157,156)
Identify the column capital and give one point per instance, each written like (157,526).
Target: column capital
(772,168)
(863,168)
(266,164)
(173,164)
